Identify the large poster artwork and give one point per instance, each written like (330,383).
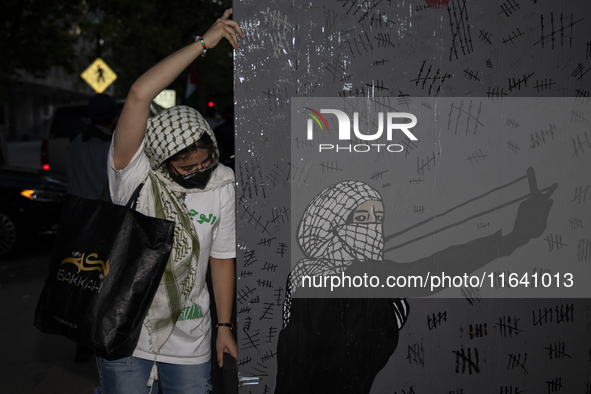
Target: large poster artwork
(413,196)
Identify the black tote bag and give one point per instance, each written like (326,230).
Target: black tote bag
(105,268)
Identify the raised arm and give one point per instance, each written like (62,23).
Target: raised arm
(134,116)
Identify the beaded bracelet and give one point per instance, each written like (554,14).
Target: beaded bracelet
(199,38)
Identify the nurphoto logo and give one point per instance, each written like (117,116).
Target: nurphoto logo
(344,134)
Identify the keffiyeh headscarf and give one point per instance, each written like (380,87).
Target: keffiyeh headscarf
(167,133)
(328,241)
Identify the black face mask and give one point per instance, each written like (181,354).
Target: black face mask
(198,180)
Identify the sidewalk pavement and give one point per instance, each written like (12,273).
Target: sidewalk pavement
(32,362)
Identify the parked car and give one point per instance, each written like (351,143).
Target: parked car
(30,203)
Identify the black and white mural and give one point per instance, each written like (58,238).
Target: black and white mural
(487,182)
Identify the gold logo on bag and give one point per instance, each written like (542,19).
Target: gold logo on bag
(88,264)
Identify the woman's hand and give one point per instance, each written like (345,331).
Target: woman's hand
(223,28)
(225,343)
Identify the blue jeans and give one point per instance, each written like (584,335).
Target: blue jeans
(130,374)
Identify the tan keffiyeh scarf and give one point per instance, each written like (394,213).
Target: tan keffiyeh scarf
(168,133)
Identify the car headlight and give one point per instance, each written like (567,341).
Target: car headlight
(42,195)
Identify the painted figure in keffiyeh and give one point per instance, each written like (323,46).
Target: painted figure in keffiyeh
(340,345)
(175,155)
(342,224)
(337,345)
(330,237)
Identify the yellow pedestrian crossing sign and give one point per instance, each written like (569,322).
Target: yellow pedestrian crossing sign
(98,75)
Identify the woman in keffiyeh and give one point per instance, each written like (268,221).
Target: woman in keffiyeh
(175,156)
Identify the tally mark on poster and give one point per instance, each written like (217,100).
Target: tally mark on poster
(485,37)
(251,179)
(356,45)
(557,350)
(471,115)
(509,7)
(471,294)
(300,173)
(554,385)
(512,37)
(542,137)
(495,92)
(330,166)
(559,314)
(582,96)
(478,330)
(557,30)
(508,326)
(338,67)
(271,334)
(512,146)
(579,143)
(429,80)
(460,28)
(546,84)
(416,354)
(584,251)
(276,98)
(467,360)
(251,218)
(575,224)
(275,175)
(250,341)
(266,241)
(435,320)
(243,294)
(515,361)
(510,390)
(554,242)
(581,193)
(517,83)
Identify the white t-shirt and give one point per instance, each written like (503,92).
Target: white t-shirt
(213,216)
